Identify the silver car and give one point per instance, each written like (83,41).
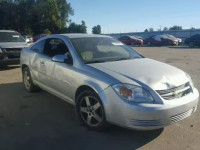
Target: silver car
(11,44)
(109,82)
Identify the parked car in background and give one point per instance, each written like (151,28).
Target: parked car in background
(139,37)
(107,81)
(39,36)
(28,38)
(131,40)
(193,40)
(11,44)
(160,40)
(173,37)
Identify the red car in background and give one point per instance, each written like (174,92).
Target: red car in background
(160,40)
(131,40)
(39,36)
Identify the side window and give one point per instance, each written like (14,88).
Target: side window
(54,47)
(38,47)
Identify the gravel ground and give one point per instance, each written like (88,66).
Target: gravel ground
(41,121)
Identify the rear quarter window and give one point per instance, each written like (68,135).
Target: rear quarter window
(38,47)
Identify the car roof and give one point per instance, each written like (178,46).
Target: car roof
(79,35)
(7,31)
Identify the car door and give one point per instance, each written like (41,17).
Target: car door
(45,64)
(36,59)
(56,76)
(123,39)
(129,41)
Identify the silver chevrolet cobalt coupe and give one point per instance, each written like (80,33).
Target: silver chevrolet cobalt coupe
(108,82)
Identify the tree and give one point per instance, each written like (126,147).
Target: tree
(165,29)
(96,29)
(47,31)
(77,28)
(151,30)
(83,27)
(34,16)
(175,27)
(65,10)
(46,15)
(146,30)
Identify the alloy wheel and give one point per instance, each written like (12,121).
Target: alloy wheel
(91,111)
(27,80)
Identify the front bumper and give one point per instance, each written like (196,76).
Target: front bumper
(9,61)
(144,116)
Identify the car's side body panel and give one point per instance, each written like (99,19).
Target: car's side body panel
(62,79)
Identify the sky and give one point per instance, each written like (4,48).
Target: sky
(118,16)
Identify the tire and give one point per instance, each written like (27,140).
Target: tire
(171,43)
(27,80)
(90,111)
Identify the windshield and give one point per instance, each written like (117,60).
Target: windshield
(11,37)
(171,36)
(102,49)
(132,37)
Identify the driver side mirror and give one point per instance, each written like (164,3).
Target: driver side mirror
(62,59)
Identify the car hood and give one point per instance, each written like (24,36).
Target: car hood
(13,44)
(146,72)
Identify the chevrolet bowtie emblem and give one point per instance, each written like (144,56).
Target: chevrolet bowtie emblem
(176,93)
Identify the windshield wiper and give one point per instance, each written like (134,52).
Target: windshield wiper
(124,58)
(95,61)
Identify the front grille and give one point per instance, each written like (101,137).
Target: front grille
(179,117)
(13,49)
(13,52)
(176,92)
(145,123)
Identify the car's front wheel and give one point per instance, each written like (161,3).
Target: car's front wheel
(27,80)
(90,110)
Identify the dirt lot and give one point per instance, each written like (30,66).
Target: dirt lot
(40,121)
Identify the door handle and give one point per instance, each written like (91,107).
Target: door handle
(42,63)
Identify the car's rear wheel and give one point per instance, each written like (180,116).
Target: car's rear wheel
(170,43)
(27,80)
(90,110)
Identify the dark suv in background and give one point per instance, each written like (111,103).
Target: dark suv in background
(11,44)
(193,40)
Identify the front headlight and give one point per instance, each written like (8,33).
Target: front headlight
(133,93)
(190,80)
